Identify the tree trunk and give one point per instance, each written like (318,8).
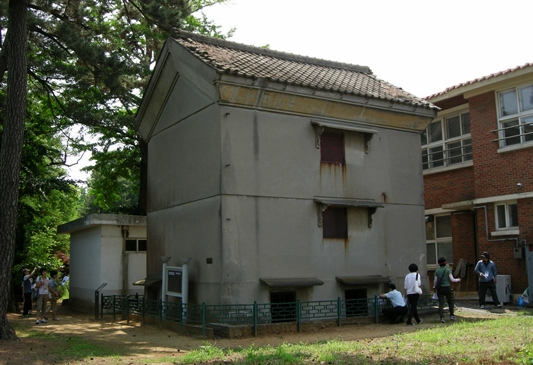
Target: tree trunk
(10,151)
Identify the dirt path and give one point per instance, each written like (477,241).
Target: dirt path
(135,342)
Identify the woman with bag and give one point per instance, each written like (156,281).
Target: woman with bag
(442,283)
(412,287)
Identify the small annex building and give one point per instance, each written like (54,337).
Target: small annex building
(105,248)
(280,176)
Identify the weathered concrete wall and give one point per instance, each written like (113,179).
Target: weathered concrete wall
(249,205)
(97,256)
(233,187)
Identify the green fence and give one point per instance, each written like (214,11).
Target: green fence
(207,315)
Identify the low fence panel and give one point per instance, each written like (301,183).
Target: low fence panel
(249,314)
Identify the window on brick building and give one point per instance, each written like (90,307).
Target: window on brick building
(439,238)
(446,141)
(515,116)
(506,215)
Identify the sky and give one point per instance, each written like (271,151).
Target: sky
(421,46)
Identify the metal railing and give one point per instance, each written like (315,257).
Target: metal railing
(207,315)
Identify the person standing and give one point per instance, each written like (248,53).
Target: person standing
(444,274)
(487,273)
(26,292)
(411,286)
(398,310)
(54,294)
(42,284)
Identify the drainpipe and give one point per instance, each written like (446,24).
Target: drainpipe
(523,242)
(487,228)
(484,207)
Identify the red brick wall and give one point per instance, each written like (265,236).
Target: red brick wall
(501,250)
(496,173)
(492,174)
(464,246)
(448,187)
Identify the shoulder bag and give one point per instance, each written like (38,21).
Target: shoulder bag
(439,280)
(418,289)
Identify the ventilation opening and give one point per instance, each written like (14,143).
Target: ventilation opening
(283,306)
(356,302)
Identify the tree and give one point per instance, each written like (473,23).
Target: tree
(97,58)
(11,149)
(91,61)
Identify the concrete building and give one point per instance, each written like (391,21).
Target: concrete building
(280,176)
(478,175)
(105,248)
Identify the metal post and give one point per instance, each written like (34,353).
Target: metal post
(97,300)
(255,318)
(164,278)
(298,315)
(181,316)
(376,309)
(114,308)
(185,283)
(143,310)
(127,310)
(339,311)
(203,319)
(160,310)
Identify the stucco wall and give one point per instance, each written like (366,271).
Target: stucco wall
(237,186)
(97,256)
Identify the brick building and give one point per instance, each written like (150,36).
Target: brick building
(477,158)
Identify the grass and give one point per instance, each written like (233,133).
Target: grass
(505,340)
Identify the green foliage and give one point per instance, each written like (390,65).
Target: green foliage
(88,64)
(46,198)
(506,339)
(91,62)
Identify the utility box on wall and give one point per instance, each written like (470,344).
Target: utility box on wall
(503,289)
(518,252)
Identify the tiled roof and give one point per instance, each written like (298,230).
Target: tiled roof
(478,80)
(254,62)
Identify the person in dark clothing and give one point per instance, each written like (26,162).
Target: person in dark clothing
(26,291)
(487,273)
(444,274)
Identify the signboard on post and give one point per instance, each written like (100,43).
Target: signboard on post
(175,281)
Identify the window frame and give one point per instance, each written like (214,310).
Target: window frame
(137,241)
(341,216)
(440,152)
(521,120)
(333,148)
(436,240)
(508,210)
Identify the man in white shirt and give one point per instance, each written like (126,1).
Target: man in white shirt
(398,310)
